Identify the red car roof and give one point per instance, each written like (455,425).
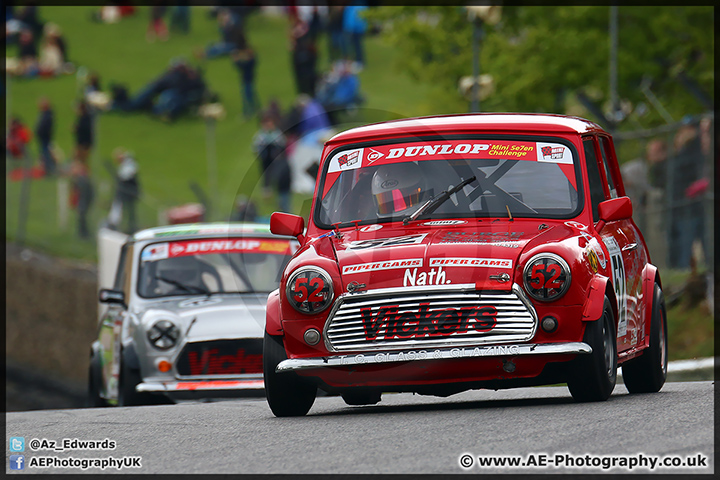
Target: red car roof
(517,123)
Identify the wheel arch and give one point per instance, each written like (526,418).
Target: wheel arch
(273,323)
(651,277)
(599,288)
(129,356)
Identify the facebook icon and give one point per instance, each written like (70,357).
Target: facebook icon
(17,462)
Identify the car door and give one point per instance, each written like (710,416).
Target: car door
(633,251)
(111,324)
(603,188)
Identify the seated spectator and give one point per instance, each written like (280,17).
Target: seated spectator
(93,84)
(188,89)
(28,55)
(340,90)
(94,95)
(232,35)
(245,210)
(113,13)
(19,135)
(313,117)
(52,53)
(145,99)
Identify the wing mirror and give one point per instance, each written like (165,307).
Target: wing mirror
(111,296)
(614,209)
(287,224)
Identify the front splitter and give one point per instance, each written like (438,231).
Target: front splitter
(379,358)
(200,385)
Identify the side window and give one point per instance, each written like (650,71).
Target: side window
(605,151)
(124,269)
(595,182)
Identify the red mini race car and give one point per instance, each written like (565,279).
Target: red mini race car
(456,252)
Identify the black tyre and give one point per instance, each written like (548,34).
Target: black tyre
(288,394)
(595,374)
(362,397)
(127,395)
(647,373)
(95,382)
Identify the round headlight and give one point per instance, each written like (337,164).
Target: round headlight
(163,334)
(546,277)
(309,290)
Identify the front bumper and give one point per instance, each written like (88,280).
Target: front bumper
(384,358)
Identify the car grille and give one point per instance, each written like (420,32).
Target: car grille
(428,318)
(220,357)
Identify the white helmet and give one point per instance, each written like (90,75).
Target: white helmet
(397,187)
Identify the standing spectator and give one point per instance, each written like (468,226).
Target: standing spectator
(84,133)
(268,144)
(336,36)
(656,155)
(245,60)
(232,34)
(275,112)
(156,27)
(283,179)
(687,215)
(44,131)
(28,17)
(245,210)
(82,195)
(637,186)
(180,17)
(315,16)
(127,192)
(354,26)
(304,58)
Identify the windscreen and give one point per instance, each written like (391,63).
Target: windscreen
(502,177)
(209,266)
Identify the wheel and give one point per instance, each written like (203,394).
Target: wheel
(95,382)
(595,374)
(647,373)
(362,397)
(127,395)
(287,394)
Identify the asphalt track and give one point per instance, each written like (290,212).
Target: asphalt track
(404,433)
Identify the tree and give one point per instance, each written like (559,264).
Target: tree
(539,56)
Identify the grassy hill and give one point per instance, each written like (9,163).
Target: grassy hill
(173,154)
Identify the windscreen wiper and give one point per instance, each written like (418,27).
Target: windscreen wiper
(435,202)
(187,288)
